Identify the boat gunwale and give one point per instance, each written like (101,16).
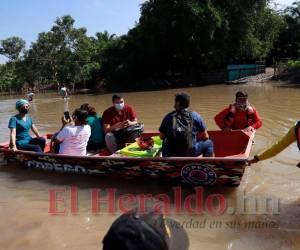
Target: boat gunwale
(250,134)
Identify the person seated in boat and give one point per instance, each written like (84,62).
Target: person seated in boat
(20,126)
(116,119)
(74,134)
(240,115)
(96,140)
(290,137)
(183,132)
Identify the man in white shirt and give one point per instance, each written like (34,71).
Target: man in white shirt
(73,139)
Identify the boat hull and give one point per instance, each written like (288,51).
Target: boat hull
(194,171)
(197,172)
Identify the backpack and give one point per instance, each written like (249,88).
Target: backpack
(180,141)
(129,134)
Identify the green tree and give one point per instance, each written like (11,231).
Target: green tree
(62,55)
(176,40)
(173,43)
(288,43)
(12,47)
(9,78)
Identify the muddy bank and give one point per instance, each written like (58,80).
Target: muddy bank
(290,76)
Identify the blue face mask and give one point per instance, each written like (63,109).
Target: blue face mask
(119,106)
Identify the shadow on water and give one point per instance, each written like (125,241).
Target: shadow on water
(194,84)
(295,86)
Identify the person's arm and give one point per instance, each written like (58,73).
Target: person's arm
(165,126)
(59,138)
(65,122)
(106,121)
(203,136)
(257,121)
(162,135)
(35,130)
(132,117)
(220,119)
(279,146)
(62,134)
(108,129)
(12,125)
(201,127)
(130,123)
(12,143)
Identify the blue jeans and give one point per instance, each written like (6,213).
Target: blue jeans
(205,148)
(36,145)
(111,142)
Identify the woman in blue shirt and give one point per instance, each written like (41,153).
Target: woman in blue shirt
(19,126)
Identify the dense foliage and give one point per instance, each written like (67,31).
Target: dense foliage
(173,43)
(293,64)
(288,43)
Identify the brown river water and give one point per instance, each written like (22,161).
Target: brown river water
(24,194)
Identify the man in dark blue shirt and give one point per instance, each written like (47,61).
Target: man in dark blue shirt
(184,132)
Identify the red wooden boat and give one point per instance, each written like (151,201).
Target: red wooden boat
(232,149)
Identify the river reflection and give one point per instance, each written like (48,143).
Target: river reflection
(24,197)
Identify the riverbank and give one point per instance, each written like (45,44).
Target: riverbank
(291,76)
(268,75)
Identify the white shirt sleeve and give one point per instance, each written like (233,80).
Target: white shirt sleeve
(63,134)
(89,130)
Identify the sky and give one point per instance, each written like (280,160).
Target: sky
(27,18)
(285,2)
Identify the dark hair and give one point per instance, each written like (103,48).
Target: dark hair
(81,116)
(116,96)
(241,94)
(90,109)
(183,99)
(145,230)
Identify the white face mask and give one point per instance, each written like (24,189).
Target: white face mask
(242,105)
(119,106)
